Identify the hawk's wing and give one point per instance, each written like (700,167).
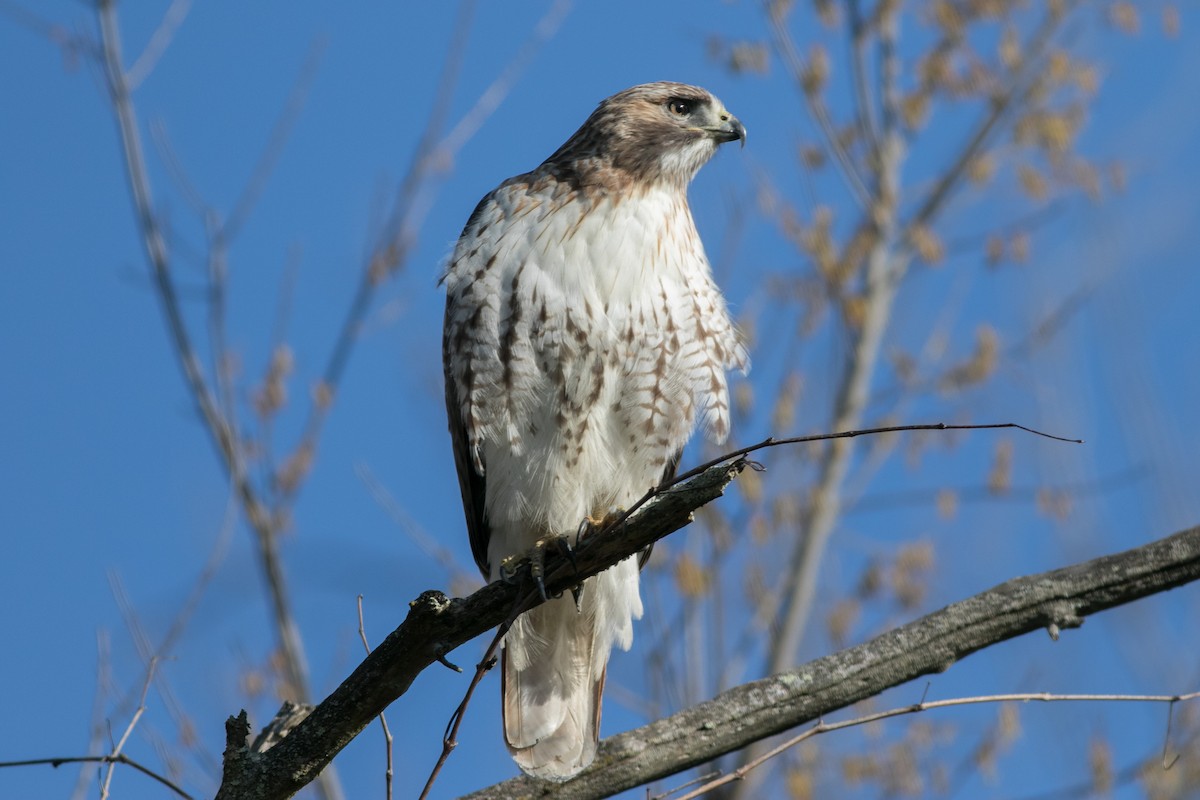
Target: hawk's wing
(472,485)
(471,481)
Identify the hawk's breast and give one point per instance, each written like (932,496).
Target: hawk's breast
(585,336)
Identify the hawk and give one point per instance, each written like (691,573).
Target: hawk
(584,340)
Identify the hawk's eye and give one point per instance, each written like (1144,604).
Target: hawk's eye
(680,108)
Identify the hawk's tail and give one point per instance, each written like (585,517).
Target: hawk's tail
(553,675)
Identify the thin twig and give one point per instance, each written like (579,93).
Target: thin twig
(787,50)
(820,437)
(420,537)
(71,44)
(1020,84)
(699,779)
(1167,764)
(119,758)
(888,259)
(826,727)
(103,679)
(280,132)
(137,715)
(450,737)
(880,284)
(387,734)
(220,429)
(160,40)
(178,176)
(865,109)
(151,232)
(432,155)
(391,253)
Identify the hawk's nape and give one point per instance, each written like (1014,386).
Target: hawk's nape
(584,341)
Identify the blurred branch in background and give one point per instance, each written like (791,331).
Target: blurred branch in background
(267,494)
(936,97)
(928,705)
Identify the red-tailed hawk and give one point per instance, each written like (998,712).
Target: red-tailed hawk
(584,338)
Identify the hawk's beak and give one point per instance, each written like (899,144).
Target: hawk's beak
(730,129)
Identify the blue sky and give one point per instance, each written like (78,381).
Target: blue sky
(107,476)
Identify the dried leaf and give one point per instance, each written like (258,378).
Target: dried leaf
(1124,17)
(927,244)
(1100,763)
(841,620)
(981,169)
(816,70)
(1170,20)
(691,578)
(999,478)
(947,503)
(1032,182)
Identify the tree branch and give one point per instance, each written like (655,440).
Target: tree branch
(436,625)
(219,427)
(751,712)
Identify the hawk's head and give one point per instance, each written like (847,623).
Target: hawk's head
(652,133)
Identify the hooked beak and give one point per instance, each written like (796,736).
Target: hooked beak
(730,129)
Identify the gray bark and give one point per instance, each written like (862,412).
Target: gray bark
(435,625)
(750,712)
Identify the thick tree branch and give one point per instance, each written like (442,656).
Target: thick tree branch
(436,625)
(748,713)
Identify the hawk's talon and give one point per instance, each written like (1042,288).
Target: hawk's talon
(510,568)
(535,559)
(593,525)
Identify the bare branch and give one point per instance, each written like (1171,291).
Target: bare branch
(930,645)
(887,260)
(275,142)
(431,155)
(71,44)
(429,545)
(119,758)
(865,108)
(1021,697)
(160,40)
(151,232)
(450,738)
(786,48)
(1018,87)
(387,733)
(218,426)
(120,745)
(436,625)
(103,679)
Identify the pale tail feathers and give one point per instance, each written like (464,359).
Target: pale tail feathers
(552,678)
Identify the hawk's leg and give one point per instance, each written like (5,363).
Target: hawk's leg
(590,526)
(535,559)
